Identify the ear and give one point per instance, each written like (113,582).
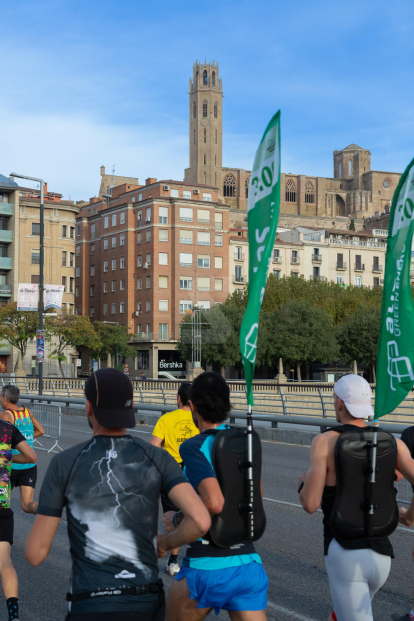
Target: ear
(89,410)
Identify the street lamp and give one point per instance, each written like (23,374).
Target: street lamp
(41,286)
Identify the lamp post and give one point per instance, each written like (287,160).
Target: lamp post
(41,285)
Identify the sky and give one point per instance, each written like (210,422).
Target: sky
(92,83)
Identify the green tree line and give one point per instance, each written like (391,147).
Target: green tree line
(301,321)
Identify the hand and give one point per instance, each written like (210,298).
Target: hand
(167,519)
(404,518)
(302,478)
(162,549)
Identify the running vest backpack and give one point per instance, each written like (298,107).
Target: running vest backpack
(230,527)
(350,517)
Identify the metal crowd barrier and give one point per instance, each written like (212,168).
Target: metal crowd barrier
(49,416)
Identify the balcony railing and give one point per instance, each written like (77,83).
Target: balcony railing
(349,242)
(295,260)
(317,258)
(277,259)
(6,209)
(359,267)
(239,279)
(6,263)
(152,336)
(341,265)
(377,268)
(186,240)
(239,256)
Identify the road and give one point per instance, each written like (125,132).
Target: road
(291,548)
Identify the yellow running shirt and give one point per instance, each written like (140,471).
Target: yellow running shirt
(175,428)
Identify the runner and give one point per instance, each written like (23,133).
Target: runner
(23,475)
(10,438)
(231,579)
(356,568)
(111,486)
(171,430)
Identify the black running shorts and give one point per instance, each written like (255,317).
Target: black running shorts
(158,615)
(24,478)
(6,525)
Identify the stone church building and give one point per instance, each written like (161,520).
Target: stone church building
(355,191)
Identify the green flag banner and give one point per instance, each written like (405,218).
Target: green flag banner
(262,216)
(395,357)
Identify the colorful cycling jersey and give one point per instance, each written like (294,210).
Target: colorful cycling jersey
(196,454)
(24,424)
(10,437)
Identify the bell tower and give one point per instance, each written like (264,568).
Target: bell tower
(206,125)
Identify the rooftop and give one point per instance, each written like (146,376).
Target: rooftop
(7,184)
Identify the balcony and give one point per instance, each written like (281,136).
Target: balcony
(295,260)
(151,336)
(239,280)
(277,259)
(377,268)
(340,265)
(6,237)
(359,267)
(239,256)
(317,258)
(317,277)
(6,291)
(6,209)
(349,242)
(6,263)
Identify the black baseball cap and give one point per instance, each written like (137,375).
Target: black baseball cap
(111,395)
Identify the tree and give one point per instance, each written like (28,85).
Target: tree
(352,225)
(299,334)
(358,336)
(17,327)
(112,339)
(66,331)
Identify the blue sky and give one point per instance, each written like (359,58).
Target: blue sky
(91,83)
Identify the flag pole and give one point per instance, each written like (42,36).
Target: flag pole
(373,474)
(249,472)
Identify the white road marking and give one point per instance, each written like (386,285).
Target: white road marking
(90,432)
(291,613)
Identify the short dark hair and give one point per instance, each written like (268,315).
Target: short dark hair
(184,392)
(211,396)
(11,393)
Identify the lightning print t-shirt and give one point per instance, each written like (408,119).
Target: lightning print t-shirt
(111,487)
(10,437)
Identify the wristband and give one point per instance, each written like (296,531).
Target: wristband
(301,486)
(178,517)
(172,519)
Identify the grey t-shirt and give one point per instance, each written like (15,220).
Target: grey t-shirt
(110,486)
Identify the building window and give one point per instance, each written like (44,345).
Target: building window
(114,242)
(105,289)
(77,311)
(92,290)
(203,238)
(218,220)
(122,240)
(205,137)
(339,280)
(163,215)
(92,311)
(376,282)
(358,281)
(163,282)
(290,191)
(163,258)
(148,306)
(215,110)
(113,308)
(203,284)
(350,167)
(64,283)
(148,282)
(194,110)
(140,217)
(139,306)
(77,291)
(229,187)
(309,192)
(122,217)
(340,169)
(72,232)
(276,274)
(148,261)
(92,270)
(105,309)
(218,240)
(186,282)
(92,249)
(114,219)
(35,228)
(78,230)
(205,78)
(238,273)
(205,159)
(163,235)
(186,237)
(215,139)
(35,257)
(113,264)
(92,231)
(148,218)
(78,251)
(139,260)
(218,284)
(163,305)
(139,283)
(64,230)
(205,109)
(203,216)
(122,307)
(106,243)
(218,263)
(246,185)
(122,263)
(163,331)
(194,137)
(186,193)
(186,214)
(213,78)
(105,266)
(203,261)
(139,238)
(106,222)
(113,288)
(185,305)
(186,259)
(148,235)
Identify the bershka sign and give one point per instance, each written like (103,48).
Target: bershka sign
(164,365)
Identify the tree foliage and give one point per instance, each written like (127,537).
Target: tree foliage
(112,339)
(66,331)
(358,336)
(17,327)
(352,225)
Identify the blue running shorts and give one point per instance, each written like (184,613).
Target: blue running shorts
(234,588)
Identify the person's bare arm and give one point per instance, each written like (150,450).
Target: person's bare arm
(26,455)
(314,479)
(405,463)
(37,427)
(7,416)
(196,523)
(156,441)
(39,540)
(211,495)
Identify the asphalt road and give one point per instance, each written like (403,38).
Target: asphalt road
(291,548)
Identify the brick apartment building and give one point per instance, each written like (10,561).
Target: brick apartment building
(145,255)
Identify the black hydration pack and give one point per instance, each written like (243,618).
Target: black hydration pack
(232,526)
(351,516)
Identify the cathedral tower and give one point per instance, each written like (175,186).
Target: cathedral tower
(206,125)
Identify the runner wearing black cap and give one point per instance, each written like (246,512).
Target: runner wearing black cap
(111,487)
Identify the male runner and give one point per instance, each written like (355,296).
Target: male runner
(356,569)
(10,438)
(171,430)
(23,475)
(111,487)
(231,579)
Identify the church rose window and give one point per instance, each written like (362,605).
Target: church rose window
(204,78)
(205,109)
(290,191)
(229,186)
(247,187)
(309,192)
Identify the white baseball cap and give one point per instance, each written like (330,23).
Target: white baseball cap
(356,393)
